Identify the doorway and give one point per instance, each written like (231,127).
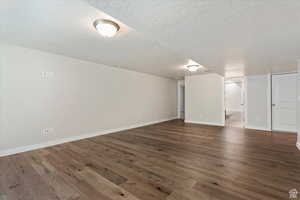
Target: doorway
(234,102)
(181,100)
(284,102)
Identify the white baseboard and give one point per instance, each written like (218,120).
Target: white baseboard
(75,138)
(298,145)
(233,110)
(204,123)
(258,128)
(287,131)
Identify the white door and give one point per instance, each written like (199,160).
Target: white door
(284,102)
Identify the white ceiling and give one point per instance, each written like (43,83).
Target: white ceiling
(66,27)
(232,37)
(251,36)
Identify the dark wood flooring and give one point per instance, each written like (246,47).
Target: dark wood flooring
(171,160)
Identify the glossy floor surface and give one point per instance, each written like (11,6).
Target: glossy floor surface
(234,119)
(171,160)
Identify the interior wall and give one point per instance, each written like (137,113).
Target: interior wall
(70,97)
(298,104)
(204,99)
(233,96)
(1,97)
(258,102)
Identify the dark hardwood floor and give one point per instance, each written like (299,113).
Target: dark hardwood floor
(171,160)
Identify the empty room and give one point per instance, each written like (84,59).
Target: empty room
(149,99)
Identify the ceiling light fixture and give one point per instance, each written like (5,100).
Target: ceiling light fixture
(193,68)
(106,28)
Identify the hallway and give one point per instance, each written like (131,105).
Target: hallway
(234,119)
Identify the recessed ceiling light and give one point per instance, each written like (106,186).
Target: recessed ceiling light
(106,28)
(193,68)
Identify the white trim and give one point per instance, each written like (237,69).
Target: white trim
(269,103)
(75,138)
(283,73)
(180,83)
(285,130)
(223,105)
(298,145)
(245,101)
(258,128)
(204,123)
(235,110)
(187,105)
(280,74)
(178,98)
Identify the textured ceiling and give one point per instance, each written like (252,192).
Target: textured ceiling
(231,37)
(66,27)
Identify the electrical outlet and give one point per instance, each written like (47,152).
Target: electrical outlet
(47,75)
(46,131)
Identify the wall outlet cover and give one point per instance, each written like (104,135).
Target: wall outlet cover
(46,131)
(47,75)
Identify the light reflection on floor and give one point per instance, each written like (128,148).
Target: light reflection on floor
(234,119)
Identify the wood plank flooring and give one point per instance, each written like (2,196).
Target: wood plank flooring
(166,161)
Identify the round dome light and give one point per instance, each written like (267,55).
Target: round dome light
(106,27)
(193,68)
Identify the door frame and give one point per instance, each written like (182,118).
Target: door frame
(242,80)
(271,97)
(180,84)
(269,105)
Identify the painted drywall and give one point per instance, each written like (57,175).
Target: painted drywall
(233,97)
(204,99)
(1,97)
(73,97)
(258,102)
(298,105)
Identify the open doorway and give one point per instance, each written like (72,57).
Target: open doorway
(181,99)
(234,102)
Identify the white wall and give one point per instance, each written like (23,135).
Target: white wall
(1,97)
(81,97)
(204,95)
(298,105)
(258,102)
(233,96)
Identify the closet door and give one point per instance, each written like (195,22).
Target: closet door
(284,102)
